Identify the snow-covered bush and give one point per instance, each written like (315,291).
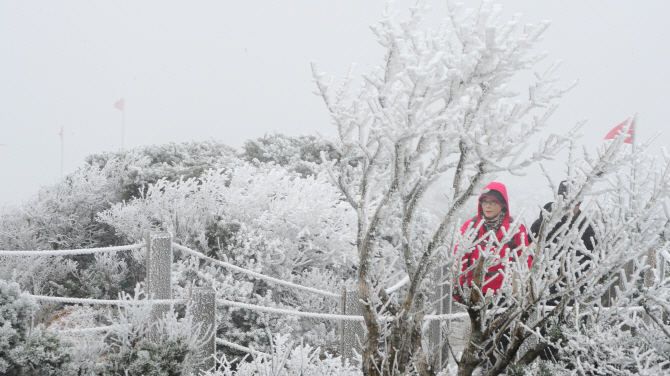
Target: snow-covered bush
(63,216)
(140,344)
(287,358)
(263,218)
(288,221)
(301,154)
(24,349)
(172,161)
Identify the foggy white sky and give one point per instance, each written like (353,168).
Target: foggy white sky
(234,70)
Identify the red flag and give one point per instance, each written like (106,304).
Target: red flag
(615,132)
(119,104)
(61,133)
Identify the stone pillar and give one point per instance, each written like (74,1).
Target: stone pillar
(352,332)
(611,294)
(438,330)
(203,312)
(652,261)
(159,272)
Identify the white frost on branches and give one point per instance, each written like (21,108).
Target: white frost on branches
(442,107)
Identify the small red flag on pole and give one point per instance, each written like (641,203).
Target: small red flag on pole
(119,104)
(617,130)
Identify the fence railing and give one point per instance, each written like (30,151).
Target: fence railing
(160,248)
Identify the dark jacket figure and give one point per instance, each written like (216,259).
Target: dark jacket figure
(588,238)
(493,210)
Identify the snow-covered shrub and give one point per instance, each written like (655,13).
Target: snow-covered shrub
(288,359)
(148,358)
(144,345)
(290,222)
(172,161)
(263,218)
(301,154)
(24,349)
(63,216)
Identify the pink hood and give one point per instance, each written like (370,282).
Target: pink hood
(500,187)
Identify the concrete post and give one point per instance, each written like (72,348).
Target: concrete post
(649,273)
(159,271)
(352,332)
(203,312)
(437,330)
(611,294)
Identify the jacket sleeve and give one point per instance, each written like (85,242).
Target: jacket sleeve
(589,238)
(535,227)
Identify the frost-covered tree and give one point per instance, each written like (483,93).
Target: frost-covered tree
(441,106)
(617,319)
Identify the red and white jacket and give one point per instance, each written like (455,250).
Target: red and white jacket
(493,279)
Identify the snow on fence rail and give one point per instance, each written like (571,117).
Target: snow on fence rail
(328,316)
(73,252)
(254,274)
(107,301)
(242,348)
(230,303)
(279,311)
(84,330)
(665,255)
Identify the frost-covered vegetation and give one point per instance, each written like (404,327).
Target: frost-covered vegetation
(278,216)
(442,108)
(354,211)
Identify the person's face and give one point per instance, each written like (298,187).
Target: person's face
(574,211)
(490,207)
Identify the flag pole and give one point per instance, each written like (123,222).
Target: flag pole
(632,142)
(62,149)
(634,125)
(120,105)
(123,125)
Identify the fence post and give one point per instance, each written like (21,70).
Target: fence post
(438,329)
(343,311)
(611,294)
(648,279)
(352,332)
(204,320)
(159,271)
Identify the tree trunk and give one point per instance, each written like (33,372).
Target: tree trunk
(372,361)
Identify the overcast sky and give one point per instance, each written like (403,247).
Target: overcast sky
(235,70)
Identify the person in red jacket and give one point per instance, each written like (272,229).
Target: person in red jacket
(493,216)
